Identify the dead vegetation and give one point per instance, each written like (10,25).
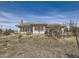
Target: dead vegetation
(39,46)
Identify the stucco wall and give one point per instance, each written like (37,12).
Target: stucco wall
(37,32)
(18,29)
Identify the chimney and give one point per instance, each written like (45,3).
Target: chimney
(22,28)
(22,21)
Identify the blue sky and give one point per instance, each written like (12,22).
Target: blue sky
(11,12)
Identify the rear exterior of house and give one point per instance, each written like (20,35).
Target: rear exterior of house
(37,27)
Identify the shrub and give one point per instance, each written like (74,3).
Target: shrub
(8,31)
(46,33)
(28,33)
(1,31)
(50,32)
(19,36)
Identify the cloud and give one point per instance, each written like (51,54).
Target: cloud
(8,20)
(8,17)
(55,17)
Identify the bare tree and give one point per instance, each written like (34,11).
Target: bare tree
(75,29)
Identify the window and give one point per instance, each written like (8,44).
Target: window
(28,29)
(39,28)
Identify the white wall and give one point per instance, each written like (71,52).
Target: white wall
(18,29)
(37,32)
(62,29)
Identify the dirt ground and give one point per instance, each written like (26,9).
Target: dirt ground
(26,46)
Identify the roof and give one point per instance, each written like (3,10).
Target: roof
(55,25)
(39,24)
(31,24)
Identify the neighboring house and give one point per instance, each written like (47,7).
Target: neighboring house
(37,27)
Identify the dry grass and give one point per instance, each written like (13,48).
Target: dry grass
(37,46)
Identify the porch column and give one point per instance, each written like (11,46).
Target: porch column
(44,28)
(62,29)
(19,30)
(33,29)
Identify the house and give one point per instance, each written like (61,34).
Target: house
(37,27)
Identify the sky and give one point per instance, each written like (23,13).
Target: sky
(11,12)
